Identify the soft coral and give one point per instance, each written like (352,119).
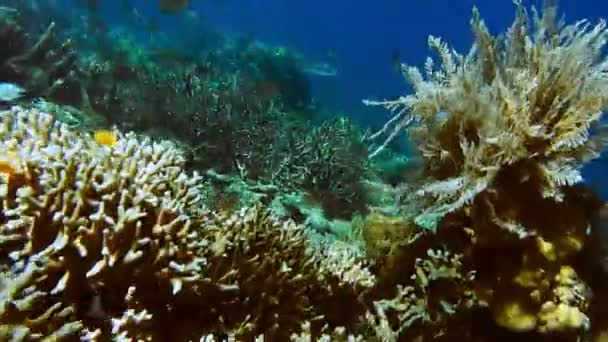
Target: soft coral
(531,95)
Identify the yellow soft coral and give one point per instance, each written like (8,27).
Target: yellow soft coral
(514,317)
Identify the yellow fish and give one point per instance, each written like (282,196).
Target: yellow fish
(6,168)
(105,137)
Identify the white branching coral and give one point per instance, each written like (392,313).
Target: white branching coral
(344,262)
(82,219)
(529,96)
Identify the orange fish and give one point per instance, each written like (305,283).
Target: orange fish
(105,137)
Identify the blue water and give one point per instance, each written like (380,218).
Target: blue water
(363,36)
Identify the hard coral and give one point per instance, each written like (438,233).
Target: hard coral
(525,101)
(329,161)
(85,226)
(281,281)
(438,290)
(111,242)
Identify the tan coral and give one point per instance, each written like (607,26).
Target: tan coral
(439,289)
(557,303)
(89,217)
(566,310)
(525,100)
(515,318)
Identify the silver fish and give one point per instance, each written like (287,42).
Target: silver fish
(10,92)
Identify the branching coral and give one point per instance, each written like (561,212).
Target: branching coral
(46,68)
(440,288)
(111,242)
(328,161)
(526,100)
(83,223)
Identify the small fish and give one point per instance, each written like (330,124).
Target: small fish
(105,137)
(331,54)
(173,6)
(171,55)
(7,165)
(152,25)
(193,17)
(10,92)
(8,9)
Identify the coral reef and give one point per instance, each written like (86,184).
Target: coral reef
(112,241)
(245,108)
(234,213)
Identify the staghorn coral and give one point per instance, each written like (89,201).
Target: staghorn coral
(526,101)
(101,242)
(328,161)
